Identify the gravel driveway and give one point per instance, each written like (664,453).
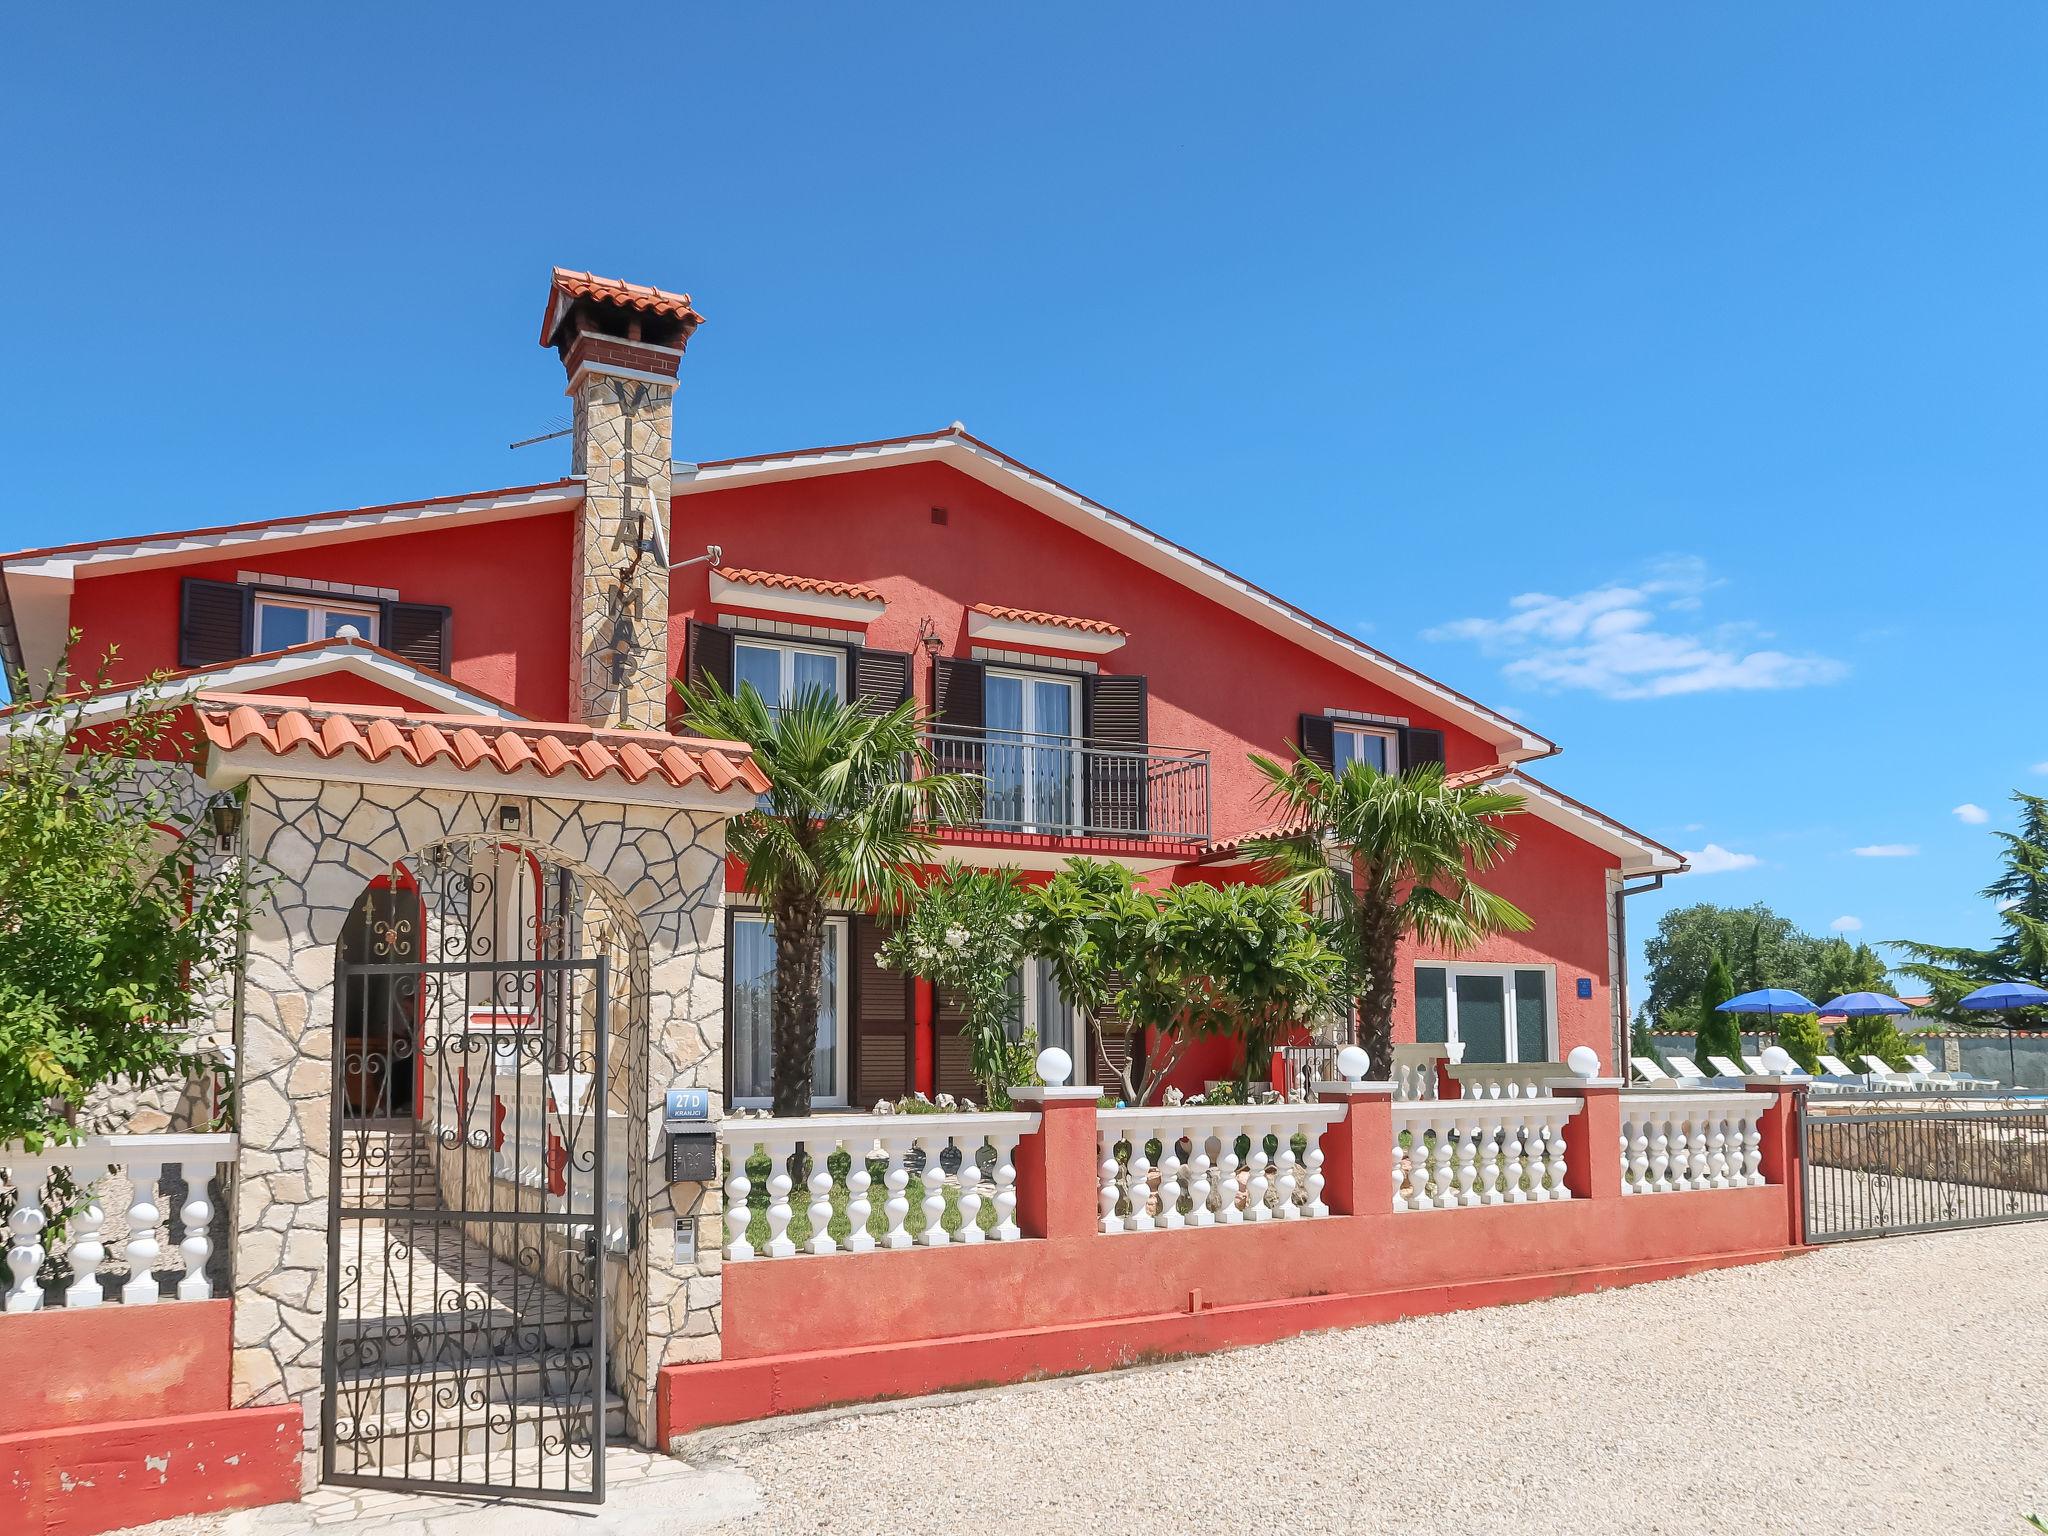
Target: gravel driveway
(1793,1397)
(1789,1397)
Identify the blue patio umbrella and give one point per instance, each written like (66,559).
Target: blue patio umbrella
(1771,1000)
(1862,1005)
(2004,997)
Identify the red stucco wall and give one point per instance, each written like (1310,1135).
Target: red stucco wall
(507,582)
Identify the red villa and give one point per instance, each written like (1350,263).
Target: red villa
(1106,681)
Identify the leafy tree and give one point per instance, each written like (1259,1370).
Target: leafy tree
(1095,929)
(851,794)
(1762,950)
(1719,1033)
(116,937)
(1385,855)
(2020,952)
(1241,960)
(1875,1036)
(964,931)
(1838,967)
(1799,1034)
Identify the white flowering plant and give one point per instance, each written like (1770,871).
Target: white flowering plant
(965,933)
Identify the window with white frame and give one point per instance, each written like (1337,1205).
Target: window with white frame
(1362,744)
(751,1043)
(1031,761)
(783,671)
(1498,1012)
(1046,1013)
(283,621)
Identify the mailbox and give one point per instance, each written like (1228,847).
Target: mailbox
(693,1156)
(692,1142)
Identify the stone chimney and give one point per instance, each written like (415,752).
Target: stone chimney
(621,344)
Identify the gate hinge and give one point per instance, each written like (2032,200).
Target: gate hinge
(632,1231)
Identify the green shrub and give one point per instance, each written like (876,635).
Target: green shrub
(1799,1034)
(1876,1036)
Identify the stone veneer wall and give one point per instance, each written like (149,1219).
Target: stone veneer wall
(318,843)
(620,646)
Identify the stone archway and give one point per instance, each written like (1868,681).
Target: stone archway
(653,876)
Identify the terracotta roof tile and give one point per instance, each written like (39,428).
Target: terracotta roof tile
(373,732)
(800,584)
(612,290)
(1061,621)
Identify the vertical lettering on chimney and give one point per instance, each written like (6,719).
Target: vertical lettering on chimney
(621,344)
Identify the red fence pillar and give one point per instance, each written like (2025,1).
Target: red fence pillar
(1592,1138)
(1358,1151)
(1056,1164)
(1781,1164)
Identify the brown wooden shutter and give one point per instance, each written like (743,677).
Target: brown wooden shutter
(884,1047)
(881,679)
(1420,746)
(1117,780)
(1318,739)
(213,622)
(419,633)
(710,655)
(957,688)
(953,1057)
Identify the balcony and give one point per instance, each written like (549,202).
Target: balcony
(1072,786)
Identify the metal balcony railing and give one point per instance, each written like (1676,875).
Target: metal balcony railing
(1071,786)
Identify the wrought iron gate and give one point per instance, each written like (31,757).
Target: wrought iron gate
(465,1345)
(1921,1163)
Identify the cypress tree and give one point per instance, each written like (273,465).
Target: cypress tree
(1719,1033)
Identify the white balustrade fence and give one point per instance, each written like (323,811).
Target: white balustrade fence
(944,1179)
(144,1161)
(1462,1152)
(1703,1140)
(1212,1166)
(1506,1079)
(1414,1071)
(534,1128)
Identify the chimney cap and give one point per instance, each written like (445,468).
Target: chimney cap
(616,300)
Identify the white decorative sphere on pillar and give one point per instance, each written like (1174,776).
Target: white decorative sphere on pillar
(1778,1061)
(1584,1062)
(1055,1066)
(1353,1064)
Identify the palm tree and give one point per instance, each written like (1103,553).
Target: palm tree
(1386,855)
(851,792)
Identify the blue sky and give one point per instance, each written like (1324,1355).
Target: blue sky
(1673,378)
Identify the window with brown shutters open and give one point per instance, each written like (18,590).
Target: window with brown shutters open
(1117,781)
(1420,746)
(881,679)
(213,622)
(1317,737)
(957,692)
(710,656)
(420,633)
(885,1039)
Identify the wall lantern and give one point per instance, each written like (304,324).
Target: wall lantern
(224,815)
(928,636)
(508,818)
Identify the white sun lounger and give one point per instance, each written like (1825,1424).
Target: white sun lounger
(1648,1070)
(1882,1075)
(1933,1074)
(1836,1067)
(1686,1067)
(1754,1065)
(1723,1067)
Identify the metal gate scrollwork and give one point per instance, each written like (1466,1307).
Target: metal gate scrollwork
(475,1181)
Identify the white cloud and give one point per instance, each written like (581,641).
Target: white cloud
(1974,815)
(1716,860)
(1886,850)
(1846,924)
(1613,640)
(2041,767)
